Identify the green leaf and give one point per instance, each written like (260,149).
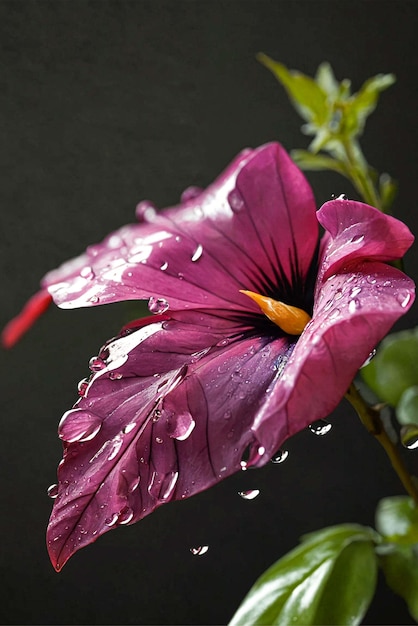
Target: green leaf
(308,98)
(387,189)
(400,567)
(308,161)
(407,409)
(364,102)
(329,579)
(395,367)
(325,78)
(397,520)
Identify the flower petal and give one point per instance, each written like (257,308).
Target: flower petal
(159,422)
(353,312)
(254,228)
(359,231)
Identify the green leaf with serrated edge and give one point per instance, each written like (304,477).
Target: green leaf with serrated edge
(395,367)
(329,579)
(407,409)
(400,567)
(314,162)
(397,520)
(308,98)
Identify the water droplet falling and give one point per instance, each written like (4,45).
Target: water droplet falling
(158,305)
(199,551)
(250,494)
(52,491)
(280,456)
(197,253)
(320,427)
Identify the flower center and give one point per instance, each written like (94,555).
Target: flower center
(289,318)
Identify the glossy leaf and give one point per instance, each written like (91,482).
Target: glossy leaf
(395,367)
(329,579)
(400,566)
(407,409)
(397,520)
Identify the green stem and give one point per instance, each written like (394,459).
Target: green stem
(370,417)
(357,168)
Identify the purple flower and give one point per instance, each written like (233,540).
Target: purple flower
(258,329)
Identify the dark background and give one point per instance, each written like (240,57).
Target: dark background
(104,104)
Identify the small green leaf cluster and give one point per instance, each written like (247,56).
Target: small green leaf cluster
(336,119)
(393,376)
(331,577)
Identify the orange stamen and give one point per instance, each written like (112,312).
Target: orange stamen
(289,318)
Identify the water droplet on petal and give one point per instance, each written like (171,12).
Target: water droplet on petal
(280,456)
(223,342)
(52,490)
(82,387)
(197,253)
(94,299)
(129,427)
(145,211)
(115,375)
(134,484)
(87,272)
(158,305)
(180,276)
(125,516)
(355,291)
(79,425)
(190,193)
(342,196)
(116,446)
(403,299)
(370,357)
(334,314)
(409,436)
(354,305)
(250,494)
(356,239)
(199,550)
(164,266)
(112,520)
(235,200)
(181,427)
(96,364)
(371,279)
(162,486)
(320,427)
(158,440)
(227,414)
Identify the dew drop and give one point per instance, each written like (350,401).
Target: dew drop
(158,440)
(96,364)
(334,314)
(280,456)
(223,342)
(320,427)
(355,291)
(182,427)
(370,357)
(87,272)
(356,239)
(227,414)
(94,299)
(112,520)
(79,425)
(134,484)
(116,446)
(164,266)
(354,305)
(409,436)
(199,551)
(158,305)
(125,516)
(190,193)
(250,494)
(162,486)
(145,211)
(129,427)
(403,299)
(180,276)
(342,196)
(197,253)
(115,375)
(338,294)
(52,491)
(235,200)
(82,387)
(372,280)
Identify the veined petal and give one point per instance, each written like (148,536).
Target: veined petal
(359,231)
(163,425)
(254,229)
(353,312)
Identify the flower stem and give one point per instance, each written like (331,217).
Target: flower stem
(370,418)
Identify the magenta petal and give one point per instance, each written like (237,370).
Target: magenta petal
(352,313)
(254,228)
(173,421)
(359,231)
